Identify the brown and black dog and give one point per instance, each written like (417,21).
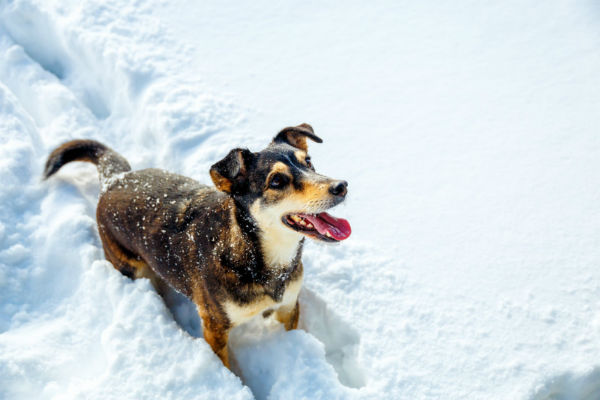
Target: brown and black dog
(235,250)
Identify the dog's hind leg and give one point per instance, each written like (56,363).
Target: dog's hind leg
(126,262)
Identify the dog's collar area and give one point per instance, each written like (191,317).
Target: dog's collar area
(320,226)
(245,219)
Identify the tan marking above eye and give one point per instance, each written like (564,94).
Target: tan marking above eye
(280,167)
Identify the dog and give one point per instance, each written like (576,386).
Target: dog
(235,250)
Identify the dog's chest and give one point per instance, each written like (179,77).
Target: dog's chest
(240,313)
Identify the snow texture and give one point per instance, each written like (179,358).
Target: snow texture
(469,136)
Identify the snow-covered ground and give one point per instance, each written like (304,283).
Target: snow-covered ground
(468,133)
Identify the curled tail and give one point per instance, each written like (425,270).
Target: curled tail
(108,161)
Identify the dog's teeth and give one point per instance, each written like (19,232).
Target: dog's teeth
(309,225)
(328,235)
(302,222)
(296,218)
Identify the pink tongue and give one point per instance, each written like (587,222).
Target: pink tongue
(338,228)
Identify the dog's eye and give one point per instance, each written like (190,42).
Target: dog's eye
(279,181)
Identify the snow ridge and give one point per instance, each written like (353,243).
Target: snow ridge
(571,386)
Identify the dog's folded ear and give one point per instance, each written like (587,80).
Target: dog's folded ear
(296,136)
(230,174)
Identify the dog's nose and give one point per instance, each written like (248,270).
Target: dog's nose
(339,188)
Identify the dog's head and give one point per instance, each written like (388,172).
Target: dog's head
(281,190)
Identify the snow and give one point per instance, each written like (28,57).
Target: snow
(467,132)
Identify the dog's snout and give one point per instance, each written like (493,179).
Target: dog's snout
(339,188)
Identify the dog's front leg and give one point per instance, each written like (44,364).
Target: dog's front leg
(216,327)
(288,315)
(216,335)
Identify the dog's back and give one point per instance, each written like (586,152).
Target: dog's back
(179,227)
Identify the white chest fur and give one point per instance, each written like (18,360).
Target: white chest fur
(279,243)
(240,313)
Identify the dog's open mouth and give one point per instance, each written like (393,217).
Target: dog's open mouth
(320,226)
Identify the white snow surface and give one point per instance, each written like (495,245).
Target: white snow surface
(469,136)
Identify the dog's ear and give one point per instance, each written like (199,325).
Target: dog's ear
(296,136)
(230,174)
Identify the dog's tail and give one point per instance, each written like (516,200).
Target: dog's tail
(108,161)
